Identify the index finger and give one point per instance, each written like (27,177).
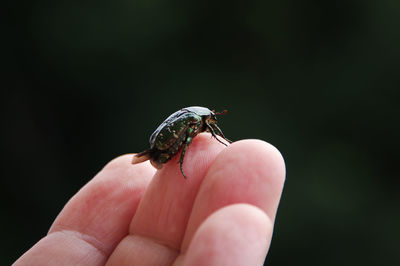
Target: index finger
(166,206)
(248,171)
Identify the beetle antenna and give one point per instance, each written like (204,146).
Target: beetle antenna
(222,113)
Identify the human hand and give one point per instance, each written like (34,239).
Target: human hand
(222,214)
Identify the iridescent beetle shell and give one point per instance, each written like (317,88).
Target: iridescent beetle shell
(178,131)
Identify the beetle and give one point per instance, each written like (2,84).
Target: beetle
(177,132)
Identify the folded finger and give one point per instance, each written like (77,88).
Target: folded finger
(93,222)
(238,234)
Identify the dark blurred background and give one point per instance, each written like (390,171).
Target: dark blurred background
(86,81)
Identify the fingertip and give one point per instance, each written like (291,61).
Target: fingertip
(251,161)
(260,153)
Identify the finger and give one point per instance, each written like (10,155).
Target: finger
(96,218)
(248,171)
(238,234)
(167,204)
(165,208)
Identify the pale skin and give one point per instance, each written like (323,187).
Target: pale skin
(222,214)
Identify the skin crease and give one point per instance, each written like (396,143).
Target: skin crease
(222,214)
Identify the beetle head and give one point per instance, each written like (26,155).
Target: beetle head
(213,117)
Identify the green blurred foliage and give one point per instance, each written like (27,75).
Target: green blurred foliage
(89,80)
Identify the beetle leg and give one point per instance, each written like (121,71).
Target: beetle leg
(188,141)
(219,133)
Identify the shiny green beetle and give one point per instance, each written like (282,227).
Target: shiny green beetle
(178,131)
